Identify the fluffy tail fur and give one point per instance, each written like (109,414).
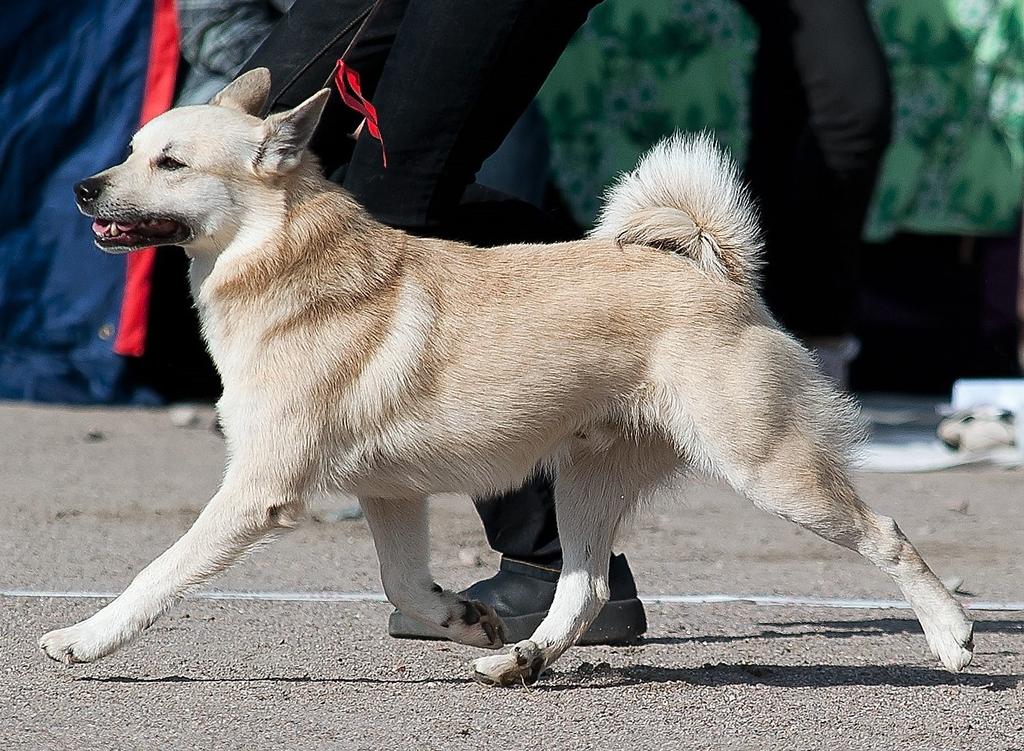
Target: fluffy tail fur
(686,196)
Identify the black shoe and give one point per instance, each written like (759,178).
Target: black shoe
(521,593)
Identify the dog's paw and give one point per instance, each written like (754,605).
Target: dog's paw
(476,624)
(521,666)
(952,641)
(78,643)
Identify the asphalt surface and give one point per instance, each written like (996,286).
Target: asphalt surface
(87,497)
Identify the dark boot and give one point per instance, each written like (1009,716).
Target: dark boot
(521,593)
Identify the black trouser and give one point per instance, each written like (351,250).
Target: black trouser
(449,79)
(820,120)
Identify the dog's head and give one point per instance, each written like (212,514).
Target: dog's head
(193,173)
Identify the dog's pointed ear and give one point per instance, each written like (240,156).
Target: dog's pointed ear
(247,93)
(286,134)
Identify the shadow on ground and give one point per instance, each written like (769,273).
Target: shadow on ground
(836,630)
(783,676)
(587,677)
(131,679)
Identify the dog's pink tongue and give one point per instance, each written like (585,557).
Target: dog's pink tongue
(99,226)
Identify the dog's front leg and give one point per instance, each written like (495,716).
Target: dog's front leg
(401,536)
(242,512)
(590,499)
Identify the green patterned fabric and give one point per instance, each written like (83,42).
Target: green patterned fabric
(641,68)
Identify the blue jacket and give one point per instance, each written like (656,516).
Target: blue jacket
(71,88)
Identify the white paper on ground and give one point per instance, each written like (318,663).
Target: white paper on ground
(904,438)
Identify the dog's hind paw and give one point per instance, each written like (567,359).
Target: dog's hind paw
(952,643)
(476,624)
(519,667)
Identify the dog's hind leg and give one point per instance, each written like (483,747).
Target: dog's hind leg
(592,495)
(243,512)
(401,536)
(819,497)
(777,433)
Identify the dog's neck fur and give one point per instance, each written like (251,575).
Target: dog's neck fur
(261,219)
(292,248)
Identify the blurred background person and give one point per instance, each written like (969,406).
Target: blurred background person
(820,123)
(930,294)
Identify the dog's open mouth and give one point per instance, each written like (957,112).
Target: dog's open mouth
(122,233)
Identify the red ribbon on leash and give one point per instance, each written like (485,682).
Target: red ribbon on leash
(347,81)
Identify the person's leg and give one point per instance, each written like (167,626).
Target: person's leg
(820,124)
(521,166)
(458,77)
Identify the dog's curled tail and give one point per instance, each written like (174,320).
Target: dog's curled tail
(686,196)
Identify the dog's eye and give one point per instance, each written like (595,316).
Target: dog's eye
(168,163)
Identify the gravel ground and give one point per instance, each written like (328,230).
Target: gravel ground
(90,496)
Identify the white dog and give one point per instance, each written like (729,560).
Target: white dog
(359,358)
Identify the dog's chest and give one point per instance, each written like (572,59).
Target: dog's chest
(237,350)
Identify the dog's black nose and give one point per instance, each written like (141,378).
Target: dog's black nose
(89,189)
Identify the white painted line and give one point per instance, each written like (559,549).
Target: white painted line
(663,599)
(265,596)
(818,602)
